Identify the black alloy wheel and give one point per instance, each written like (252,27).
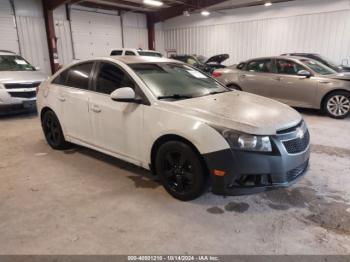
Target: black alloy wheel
(53,131)
(181,170)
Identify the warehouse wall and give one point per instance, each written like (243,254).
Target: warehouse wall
(8,28)
(320,26)
(32,33)
(93,32)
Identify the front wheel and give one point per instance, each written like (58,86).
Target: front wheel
(180,170)
(337,104)
(53,131)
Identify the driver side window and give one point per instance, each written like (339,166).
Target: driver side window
(110,77)
(288,67)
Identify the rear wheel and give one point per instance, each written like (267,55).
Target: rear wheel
(53,131)
(180,170)
(234,87)
(337,104)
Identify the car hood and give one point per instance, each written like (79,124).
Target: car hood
(21,76)
(340,76)
(241,111)
(218,59)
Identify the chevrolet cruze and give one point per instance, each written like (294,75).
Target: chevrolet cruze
(181,124)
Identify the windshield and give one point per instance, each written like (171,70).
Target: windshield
(14,63)
(145,53)
(176,81)
(318,67)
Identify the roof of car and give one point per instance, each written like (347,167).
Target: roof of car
(134,50)
(143,59)
(6,52)
(278,57)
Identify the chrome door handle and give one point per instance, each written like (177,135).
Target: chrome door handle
(96,109)
(61,98)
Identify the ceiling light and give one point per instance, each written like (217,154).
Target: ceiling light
(268,4)
(205,13)
(153,2)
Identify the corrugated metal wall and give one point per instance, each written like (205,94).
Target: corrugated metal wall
(135,30)
(8,33)
(327,33)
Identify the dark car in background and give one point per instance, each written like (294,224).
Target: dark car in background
(321,59)
(202,63)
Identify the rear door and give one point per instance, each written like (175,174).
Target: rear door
(257,76)
(293,89)
(75,97)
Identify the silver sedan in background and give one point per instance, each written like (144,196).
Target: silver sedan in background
(296,81)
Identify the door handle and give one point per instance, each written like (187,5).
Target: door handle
(61,98)
(277,78)
(325,82)
(243,76)
(96,109)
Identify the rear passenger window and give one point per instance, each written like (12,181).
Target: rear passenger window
(129,53)
(240,66)
(110,78)
(117,52)
(262,66)
(78,76)
(61,78)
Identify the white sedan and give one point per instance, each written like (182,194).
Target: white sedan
(183,125)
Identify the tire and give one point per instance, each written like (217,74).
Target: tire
(234,87)
(181,170)
(53,132)
(337,104)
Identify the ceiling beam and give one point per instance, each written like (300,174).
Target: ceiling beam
(53,4)
(178,10)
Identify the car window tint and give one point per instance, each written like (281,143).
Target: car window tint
(110,78)
(61,78)
(129,53)
(288,67)
(117,52)
(262,66)
(78,76)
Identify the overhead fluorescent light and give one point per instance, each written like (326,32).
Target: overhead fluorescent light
(153,2)
(205,13)
(268,4)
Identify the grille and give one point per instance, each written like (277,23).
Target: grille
(294,173)
(297,145)
(30,94)
(22,85)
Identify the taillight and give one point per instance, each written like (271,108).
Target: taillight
(216,74)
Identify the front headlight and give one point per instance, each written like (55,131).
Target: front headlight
(239,140)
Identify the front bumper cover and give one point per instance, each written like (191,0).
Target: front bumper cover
(253,172)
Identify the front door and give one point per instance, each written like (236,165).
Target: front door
(294,90)
(116,126)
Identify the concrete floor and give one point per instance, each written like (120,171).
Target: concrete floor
(84,202)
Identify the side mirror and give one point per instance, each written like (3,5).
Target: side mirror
(37,68)
(125,94)
(305,73)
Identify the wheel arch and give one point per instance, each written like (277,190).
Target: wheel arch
(44,110)
(330,92)
(172,137)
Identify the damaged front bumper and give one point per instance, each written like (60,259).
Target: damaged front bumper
(243,172)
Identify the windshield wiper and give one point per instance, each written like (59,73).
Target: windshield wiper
(217,92)
(175,96)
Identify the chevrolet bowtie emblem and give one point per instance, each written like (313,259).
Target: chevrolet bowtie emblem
(300,133)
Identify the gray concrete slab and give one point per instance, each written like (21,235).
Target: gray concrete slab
(83,202)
